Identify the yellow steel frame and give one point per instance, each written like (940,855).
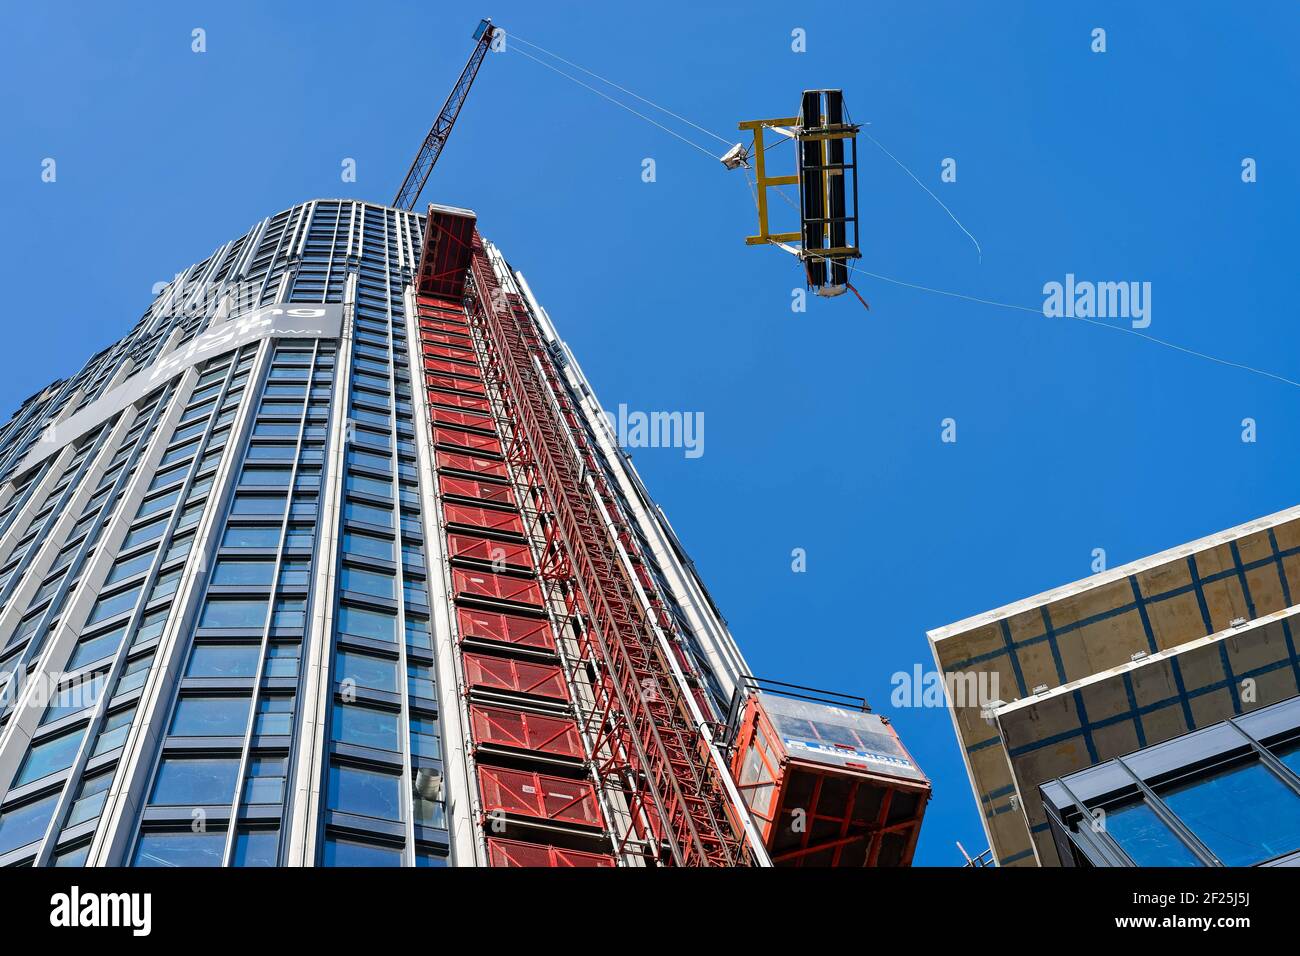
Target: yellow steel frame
(764,181)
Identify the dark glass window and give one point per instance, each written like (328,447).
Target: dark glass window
(366,726)
(1245,814)
(96,648)
(210,717)
(232,612)
(363,623)
(347,853)
(194,782)
(252,536)
(368,545)
(244,572)
(50,756)
(25,824)
(223,660)
(366,582)
(365,792)
(180,849)
(256,848)
(1146,840)
(364,670)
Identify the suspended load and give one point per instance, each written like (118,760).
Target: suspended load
(826,157)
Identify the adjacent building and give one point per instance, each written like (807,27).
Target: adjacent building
(1145,715)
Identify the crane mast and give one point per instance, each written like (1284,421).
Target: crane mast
(409,193)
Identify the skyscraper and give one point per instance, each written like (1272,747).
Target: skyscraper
(335,560)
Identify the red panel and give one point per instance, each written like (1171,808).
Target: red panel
(506,553)
(443,322)
(518,853)
(474,403)
(461,462)
(458,419)
(445,253)
(446,381)
(513,728)
(504,629)
(450,368)
(540,796)
(447,352)
(480,490)
(486,518)
(518,677)
(454,436)
(496,587)
(446,338)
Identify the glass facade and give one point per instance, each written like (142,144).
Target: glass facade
(1228,795)
(219,613)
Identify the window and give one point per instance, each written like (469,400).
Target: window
(366,727)
(354,511)
(273,477)
(223,660)
(144,533)
(234,612)
(74,698)
(97,648)
(364,670)
(90,798)
(151,625)
(419,681)
(265,783)
(50,756)
(367,545)
(252,573)
(1244,814)
(75,856)
(25,824)
(180,849)
(258,505)
(424,738)
(251,536)
(1146,840)
(210,717)
(275,716)
(256,848)
(117,725)
(128,567)
(372,624)
(114,604)
(370,486)
(290,613)
(154,505)
(295,574)
(282,660)
(417,632)
(365,792)
(194,782)
(366,582)
(347,853)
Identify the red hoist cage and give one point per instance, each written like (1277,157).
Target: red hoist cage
(569,773)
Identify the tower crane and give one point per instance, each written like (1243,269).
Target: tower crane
(409,193)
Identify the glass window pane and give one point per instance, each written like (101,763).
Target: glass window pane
(20,826)
(258,505)
(347,853)
(365,726)
(96,648)
(223,660)
(180,849)
(372,624)
(377,673)
(366,792)
(257,848)
(1245,814)
(366,582)
(191,782)
(354,511)
(222,612)
(106,607)
(50,756)
(252,536)
(1146,840)
(243,572)
(368,545)
(210,717)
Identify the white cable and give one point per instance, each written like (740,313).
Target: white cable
(671,132)
(927,189)
(511,35)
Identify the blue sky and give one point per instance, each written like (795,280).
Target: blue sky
(822,428)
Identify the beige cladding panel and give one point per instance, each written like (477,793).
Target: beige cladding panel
(1176,620)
